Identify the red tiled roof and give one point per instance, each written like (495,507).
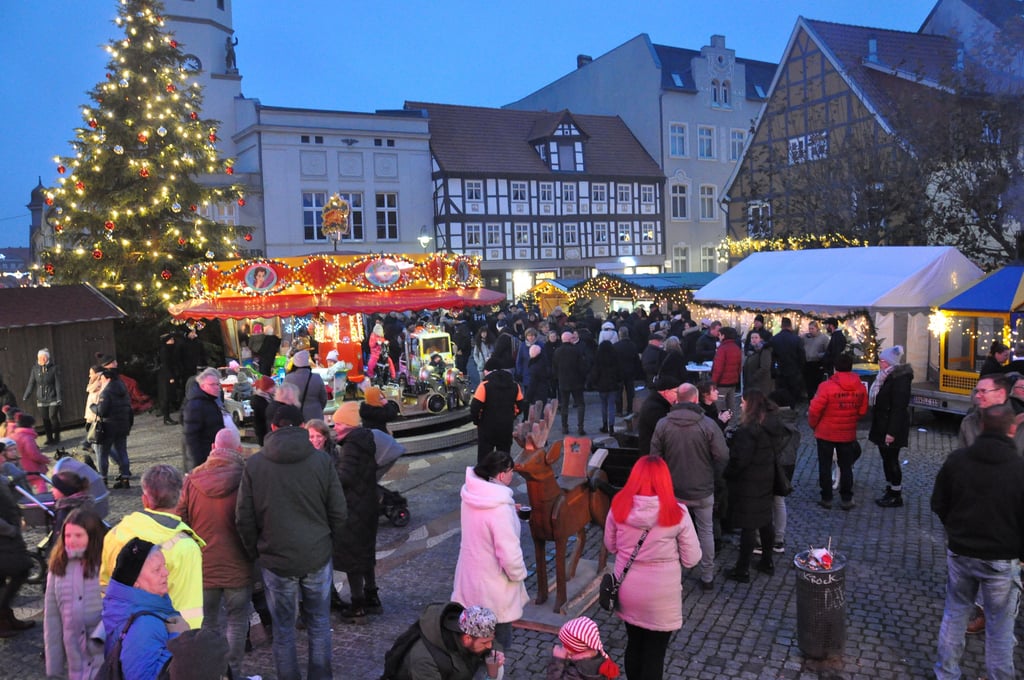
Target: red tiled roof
(53,306)
(475,140)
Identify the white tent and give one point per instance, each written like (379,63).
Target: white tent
(896,285)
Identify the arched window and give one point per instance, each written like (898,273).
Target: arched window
(714,92)
(725,94)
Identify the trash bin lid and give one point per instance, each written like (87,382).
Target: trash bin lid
(802,561)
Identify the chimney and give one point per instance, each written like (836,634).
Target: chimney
(583,59)
(873,50)
(718,41)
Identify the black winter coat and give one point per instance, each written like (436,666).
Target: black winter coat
(14,558)
(788,353)
(539,384)
(706,347)
(652,410)
(650,361)
(202,417)
(751,472)
(114,407)
(45,382)
(570,367)
(378,417)
(260,425)
(502,400)
(891,413)
(355,546)
(629,360)
(606,374)
(673,365)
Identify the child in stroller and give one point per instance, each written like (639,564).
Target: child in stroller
(393,505)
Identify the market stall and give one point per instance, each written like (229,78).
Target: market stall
(615,291)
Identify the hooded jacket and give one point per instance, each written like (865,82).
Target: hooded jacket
(182,549)
(751,471)
(651,595)
(496,402)
(728,364)
(202,418)
(73,608)
(355,548)
(144,651)
(439,625)
(290,504)
(891,412)
(114,408)
(207,504)
(32,459)
(694,448)
(491,570)
(837,406)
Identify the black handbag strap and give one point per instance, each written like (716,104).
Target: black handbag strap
(625,569)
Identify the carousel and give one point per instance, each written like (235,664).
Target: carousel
(328,297)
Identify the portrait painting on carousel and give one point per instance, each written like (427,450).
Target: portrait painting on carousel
(260,277)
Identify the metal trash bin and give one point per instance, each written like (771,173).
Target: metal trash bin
(821,607)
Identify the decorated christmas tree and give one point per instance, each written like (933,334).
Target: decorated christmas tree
(129,213)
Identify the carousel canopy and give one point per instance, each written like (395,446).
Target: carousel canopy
(333,284)
(1002,291)
(840,281)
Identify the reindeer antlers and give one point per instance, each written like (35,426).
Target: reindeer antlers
(533,432)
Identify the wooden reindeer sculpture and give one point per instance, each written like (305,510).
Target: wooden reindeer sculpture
(562,507)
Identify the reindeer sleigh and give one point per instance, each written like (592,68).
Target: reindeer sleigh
(562,506)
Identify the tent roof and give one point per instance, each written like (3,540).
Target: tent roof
(838,281)
(667,280)
(1000,291)
(54,306)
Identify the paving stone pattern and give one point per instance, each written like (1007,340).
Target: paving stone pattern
(895,578)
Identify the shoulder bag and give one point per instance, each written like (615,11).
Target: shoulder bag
(609,596)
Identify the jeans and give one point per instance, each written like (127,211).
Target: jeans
(701,512)
(236,620)
(891,465)
(117,449)
(645,652)
(780,515)
(313,593)
(629,389)
(999,581)
(846,455)
(608,401)
(563,405)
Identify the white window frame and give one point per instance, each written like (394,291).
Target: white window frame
(623,193)
(599,192)
(647,194)
(706,142)
(759,219)
(519,192)
(568,192)
(474,237)
(624,232)
(677,140)
(474,190)
(737,140)
(494,234)
(387,229)
(709,258)
(809,147)
(680,258)
(707,202)
(648,232)
(571,234)
(680,199)
(312,212)
(522,233)
(547,234)
(356,217)
(601,233)
(547,192)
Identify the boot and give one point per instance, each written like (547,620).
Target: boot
(885,496)
(604,427)
(7,616)
(337,603)
(373,605)
(895,500)
(122,482)
(170,421)
(355,612)
(766,565)
(7,630)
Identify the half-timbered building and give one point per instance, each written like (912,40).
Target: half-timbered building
(543,194)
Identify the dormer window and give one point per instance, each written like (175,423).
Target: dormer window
(560,146)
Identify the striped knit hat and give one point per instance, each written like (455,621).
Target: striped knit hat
(581,634)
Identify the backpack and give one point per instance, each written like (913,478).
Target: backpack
(403,643)
(111,669)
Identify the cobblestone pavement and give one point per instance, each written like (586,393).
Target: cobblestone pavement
(895,579)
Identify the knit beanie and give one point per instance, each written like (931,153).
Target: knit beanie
(581,634)
(894,355)
(301,359)
(347,414)
(477,621)
(130,561)
(374,396)
(26,420)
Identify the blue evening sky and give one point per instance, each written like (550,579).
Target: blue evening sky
(362,56)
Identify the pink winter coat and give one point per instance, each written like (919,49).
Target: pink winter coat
(651,594)
(491,570)
(32,459)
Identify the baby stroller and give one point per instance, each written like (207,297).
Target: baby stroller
(392,504)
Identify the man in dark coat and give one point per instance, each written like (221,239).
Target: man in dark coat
(836,346)
(355,546)
(651,358)
(497,401)
(168,375)
(655,407)
(707,343)
(979,497)
(453,645)
(570,369)
(789,357)
(269,345)
(193,353)
(629,360)
(202,416)
(114,412)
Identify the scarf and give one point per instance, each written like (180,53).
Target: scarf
(877,385)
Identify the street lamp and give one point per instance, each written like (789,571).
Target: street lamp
(424,238)
(335,219)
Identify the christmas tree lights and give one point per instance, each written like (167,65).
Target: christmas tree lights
(117,208)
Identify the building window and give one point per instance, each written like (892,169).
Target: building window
(677,140)
(625,231)
(647,233)
(355,216)
(705,142)
(312,215)
(569,192)
(623,193)
(680,202)
(571,234)
(707,202)
(547,234)
(709,259)
(387,216)
(522,232)
(646,193)
(759,219)
(494,235)
(600,232)
(474,190)
(680,258)
(221,213)
(547,192)
(810,147)
(714,93)
(519,192)
(599,193)
(737,138)
(474,235)
(724,99)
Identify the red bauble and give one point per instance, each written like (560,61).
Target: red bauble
(79,185)
(170,87)
(213,136)
(165,274)
(182,241)
(194,115)
(49,268)
(193,207)
(144,172)
(49,200)
(241,201)
(248,237)
(58,228)
(174,43)
(61,169)
(93,124)
(109,225)
(143,137)
(230,170)
(97,254)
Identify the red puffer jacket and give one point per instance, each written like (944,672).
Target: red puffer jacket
(837,406)
(725,372)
